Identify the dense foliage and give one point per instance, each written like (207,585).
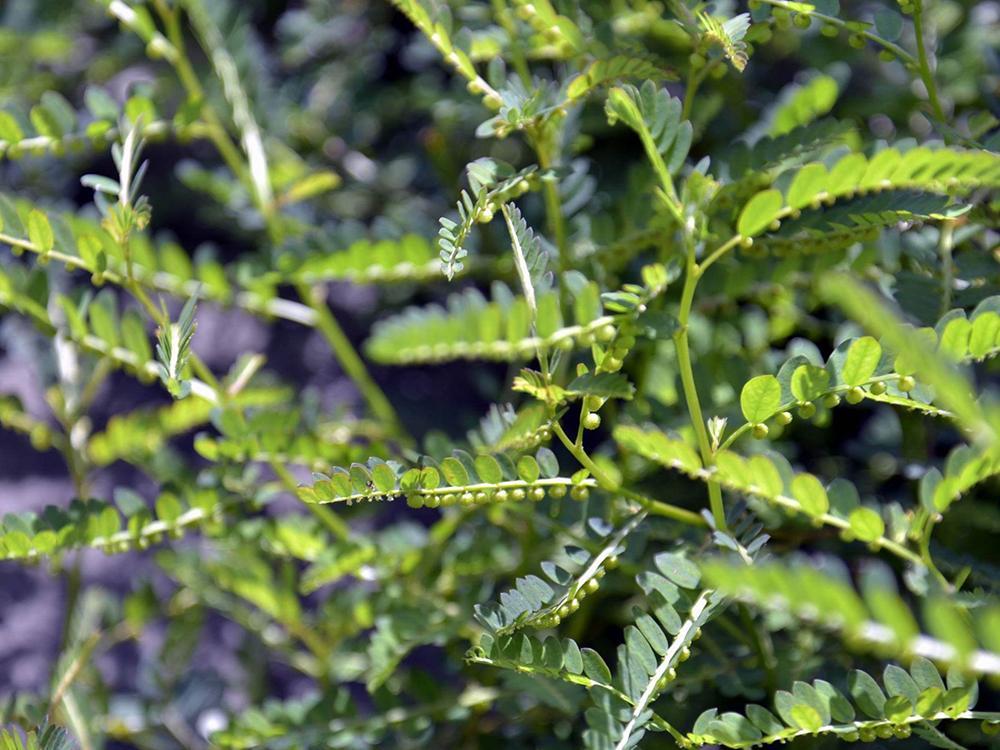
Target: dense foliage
(671,334)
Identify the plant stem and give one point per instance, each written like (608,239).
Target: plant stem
(553,209)
(350,361)
(691,277)
(331,521)
(185,72)
(947,266)
(655,507)
(923,64)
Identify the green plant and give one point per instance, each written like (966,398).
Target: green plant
(748,382)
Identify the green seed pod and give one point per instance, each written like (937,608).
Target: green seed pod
(784,417)
(592,421)
(802,20)
(605,333)
(557,491)
(857,41)
(612,562)
(592,585)
(877,389)
(537,494)
(829,30)
(907,383)
(580,493)
(886,56)
(760,431)
(501,496)
(855,395)
(831,400)
(574,604)
(518,495)
(611,364)
(564,611)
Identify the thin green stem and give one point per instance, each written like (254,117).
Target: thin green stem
(350,361)
(503,15)
(330,520)
(553,210)
(898,51)
(690,389)
(923,63)
(947,265)
(718,253)
(655,507)
(216,131)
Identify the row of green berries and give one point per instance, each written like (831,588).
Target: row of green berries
(854,395)
(881,732)
(590,587)
(485,213)
(784,19)
(534,493)
(619,342)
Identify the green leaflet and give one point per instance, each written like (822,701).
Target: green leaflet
(876,620)
(941,170)
(766,477)
(102,526)
(862,713)
(458,478)
(535,602)
(760,398)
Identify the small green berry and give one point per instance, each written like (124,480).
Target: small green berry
(518,495)
(592,421)
(907,383)
(831,400)
(592,585)
(855,395)
(784,417)
(878,388)
(605,333)
(760,431)
(580,493)
(557,491)
(807,409)
(537,494)
(802,20)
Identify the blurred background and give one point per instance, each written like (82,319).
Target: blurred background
(349,86)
